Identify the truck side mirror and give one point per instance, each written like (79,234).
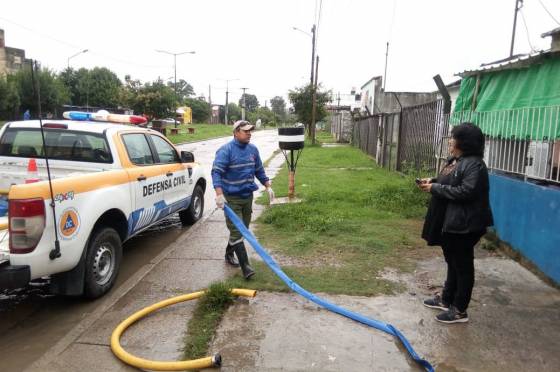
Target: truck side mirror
(187,157)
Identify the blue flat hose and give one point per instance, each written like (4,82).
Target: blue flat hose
(387,328)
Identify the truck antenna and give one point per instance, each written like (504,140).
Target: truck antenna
(54,253)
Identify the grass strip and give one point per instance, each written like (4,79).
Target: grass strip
(206,317)
(355,221)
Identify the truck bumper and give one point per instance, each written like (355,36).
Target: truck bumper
(14,276)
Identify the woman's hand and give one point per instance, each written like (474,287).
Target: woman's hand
(425,186)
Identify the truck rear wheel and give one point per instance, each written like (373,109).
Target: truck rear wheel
(103,260)
(194,212)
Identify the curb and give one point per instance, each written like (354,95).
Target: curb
(110,300)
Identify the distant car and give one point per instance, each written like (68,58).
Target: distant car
(169,121)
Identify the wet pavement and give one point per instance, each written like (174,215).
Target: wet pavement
(514,326)
(514,319)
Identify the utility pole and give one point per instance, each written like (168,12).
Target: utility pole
(518,6)
(226,114)
(385,74)
(312,52)
(210,94)
(243,108)
(227,95)
(314,103)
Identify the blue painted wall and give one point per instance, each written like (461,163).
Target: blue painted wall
(527,217)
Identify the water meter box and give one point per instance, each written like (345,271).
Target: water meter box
(291,138)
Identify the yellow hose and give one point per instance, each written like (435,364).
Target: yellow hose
(212,361)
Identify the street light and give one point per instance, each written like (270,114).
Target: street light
(312,36)
(77,54)
(175,75)
(227,93)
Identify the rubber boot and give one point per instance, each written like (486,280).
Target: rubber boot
(241,252)
(230,256)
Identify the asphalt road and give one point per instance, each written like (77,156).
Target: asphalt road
(31,320)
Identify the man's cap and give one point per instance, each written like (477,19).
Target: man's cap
(243,125)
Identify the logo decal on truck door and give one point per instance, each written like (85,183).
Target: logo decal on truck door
(69,223)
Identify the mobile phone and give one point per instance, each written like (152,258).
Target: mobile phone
(418,181)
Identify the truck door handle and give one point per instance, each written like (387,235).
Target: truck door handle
(141,178)
(169,174)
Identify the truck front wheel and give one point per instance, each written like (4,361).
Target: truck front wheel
(194,212)
(103,261)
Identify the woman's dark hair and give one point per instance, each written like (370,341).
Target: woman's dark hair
(469,139)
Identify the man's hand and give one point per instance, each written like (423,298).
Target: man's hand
(270,194)
(220,201)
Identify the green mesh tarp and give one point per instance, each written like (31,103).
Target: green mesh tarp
(521,103)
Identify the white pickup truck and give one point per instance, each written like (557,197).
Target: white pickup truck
(109,182)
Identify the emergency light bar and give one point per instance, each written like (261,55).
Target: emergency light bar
(104,116)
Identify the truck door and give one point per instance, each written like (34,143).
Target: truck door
(148,180)
(178,174)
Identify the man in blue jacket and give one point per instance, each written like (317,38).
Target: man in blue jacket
(235,167)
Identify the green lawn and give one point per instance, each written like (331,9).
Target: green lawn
(356,219)
(201,132)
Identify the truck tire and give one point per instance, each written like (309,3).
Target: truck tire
(194,212)
(103,260)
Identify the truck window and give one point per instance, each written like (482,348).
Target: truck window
(166,152)
(138,149)
(61,144)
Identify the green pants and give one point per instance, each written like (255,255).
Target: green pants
(243,208)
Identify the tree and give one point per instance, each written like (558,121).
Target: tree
(9,98)
(251,102)
(99,87)
(301,99)
(103,85)
(53,92)
(278,107)
(200,109)
(265,114)
(128,92)
(184,90)
(234,113)
(154,99)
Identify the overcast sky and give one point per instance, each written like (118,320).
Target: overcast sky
(253,41)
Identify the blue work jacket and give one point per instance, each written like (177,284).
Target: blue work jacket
(235,167)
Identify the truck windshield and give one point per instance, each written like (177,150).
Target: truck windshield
(61,145)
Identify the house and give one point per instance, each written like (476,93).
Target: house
(376,100)
(516,103)
(11,59)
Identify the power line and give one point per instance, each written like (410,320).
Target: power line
(550,14)
(43,34)
(527,30)
(73,46)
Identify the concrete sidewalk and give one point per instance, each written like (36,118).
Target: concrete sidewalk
(514,320)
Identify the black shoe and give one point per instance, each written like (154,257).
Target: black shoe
(436,303)
(241,253)
(230,256)
(452,316)
(248,271)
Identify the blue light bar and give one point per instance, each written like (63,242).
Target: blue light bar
(77,115)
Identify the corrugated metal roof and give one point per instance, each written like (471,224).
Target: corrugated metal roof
(518,61)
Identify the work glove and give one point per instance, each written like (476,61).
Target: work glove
(270,194)
(220,201)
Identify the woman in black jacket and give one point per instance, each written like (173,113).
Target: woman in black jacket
(457,217)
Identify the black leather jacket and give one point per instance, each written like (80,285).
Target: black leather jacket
(467,196)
